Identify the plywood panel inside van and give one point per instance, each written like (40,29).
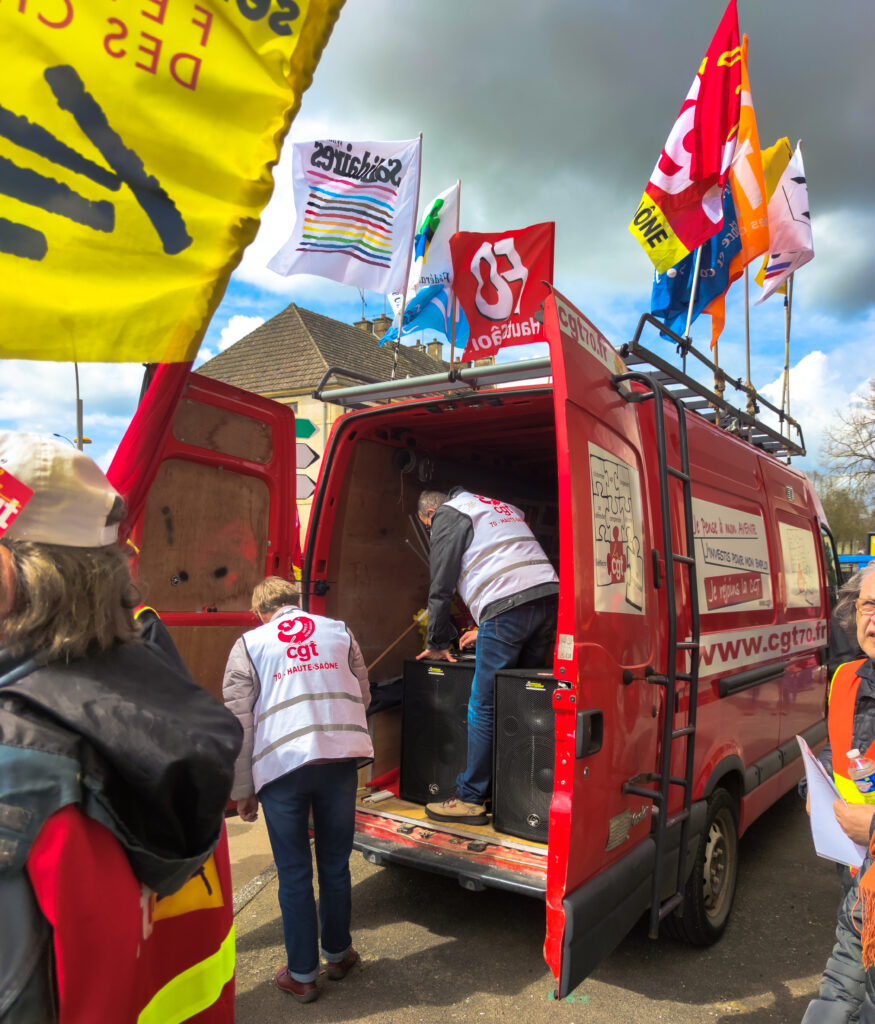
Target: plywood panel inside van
(377,582)
(205,651)
(204,539)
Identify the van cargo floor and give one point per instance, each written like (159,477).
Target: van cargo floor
(399,831)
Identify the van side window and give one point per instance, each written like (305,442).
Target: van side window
(832,565)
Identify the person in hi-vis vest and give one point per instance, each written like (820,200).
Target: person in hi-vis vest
(482,548)
(847,986)
(299,687)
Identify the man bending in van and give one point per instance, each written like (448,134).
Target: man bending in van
(483,549)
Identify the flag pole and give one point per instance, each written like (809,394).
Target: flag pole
(80,426)
(397,348)
(453,307)
(693,289)
(751,404)
(747,337)
(788,309)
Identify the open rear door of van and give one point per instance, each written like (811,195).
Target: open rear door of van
(602,854)
(220,516)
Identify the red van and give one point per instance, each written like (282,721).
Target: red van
(696,577)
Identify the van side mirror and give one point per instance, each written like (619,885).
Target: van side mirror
(589,733)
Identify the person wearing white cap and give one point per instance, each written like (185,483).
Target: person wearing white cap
(115,769)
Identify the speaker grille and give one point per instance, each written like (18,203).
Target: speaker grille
(434,728)
(524,753)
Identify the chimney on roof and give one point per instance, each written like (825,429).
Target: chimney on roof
(435,349)
(365,325)
(382,323)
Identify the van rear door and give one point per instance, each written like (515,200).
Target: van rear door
(220,515)
(601,853)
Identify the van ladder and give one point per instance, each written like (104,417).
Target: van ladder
(670,679)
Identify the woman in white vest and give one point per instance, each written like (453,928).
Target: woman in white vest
(483,548)
(299,686)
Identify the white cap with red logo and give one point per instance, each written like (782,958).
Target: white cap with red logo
(72,497)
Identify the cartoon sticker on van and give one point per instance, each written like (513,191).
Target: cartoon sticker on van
(616,518)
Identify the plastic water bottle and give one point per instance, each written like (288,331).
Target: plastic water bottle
(862,770)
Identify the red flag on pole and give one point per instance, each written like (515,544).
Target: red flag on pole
(499,278)
(682,205)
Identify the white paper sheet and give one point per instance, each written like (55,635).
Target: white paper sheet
(830,840)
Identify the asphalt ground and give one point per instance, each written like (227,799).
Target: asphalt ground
(433,952)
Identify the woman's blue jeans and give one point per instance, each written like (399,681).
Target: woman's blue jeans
(520,637)
(329,790)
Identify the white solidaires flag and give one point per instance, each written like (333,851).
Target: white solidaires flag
(791,245)
(355,208)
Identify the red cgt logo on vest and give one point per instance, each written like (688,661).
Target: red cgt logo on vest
(294,632)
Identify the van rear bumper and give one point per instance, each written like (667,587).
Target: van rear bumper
(470,872)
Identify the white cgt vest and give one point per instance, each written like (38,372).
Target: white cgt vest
(503,558)
(310,707)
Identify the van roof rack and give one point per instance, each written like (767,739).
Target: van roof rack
(711,404)
(460,378)
(696,397)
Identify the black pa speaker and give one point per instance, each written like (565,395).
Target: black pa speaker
(434,728)
(522,785)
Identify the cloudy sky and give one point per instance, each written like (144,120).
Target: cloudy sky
(557,110)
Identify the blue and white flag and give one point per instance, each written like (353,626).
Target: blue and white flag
(791,245)
(670,298)
(431,244)
(429,310)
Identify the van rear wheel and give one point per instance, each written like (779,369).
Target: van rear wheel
(710,889)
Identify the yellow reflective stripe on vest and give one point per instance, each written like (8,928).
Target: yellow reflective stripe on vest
(194,990)
(848,789)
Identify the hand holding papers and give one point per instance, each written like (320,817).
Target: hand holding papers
(830,841)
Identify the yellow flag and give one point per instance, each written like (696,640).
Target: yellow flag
(136,146)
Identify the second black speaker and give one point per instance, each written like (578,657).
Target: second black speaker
(522,786)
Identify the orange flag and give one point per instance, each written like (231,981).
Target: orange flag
(749,196)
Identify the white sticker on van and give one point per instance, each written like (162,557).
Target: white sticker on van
(801,579)
(565,647)
(617,534)
(732,558)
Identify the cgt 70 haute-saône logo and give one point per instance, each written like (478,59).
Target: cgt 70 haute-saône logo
(295,632)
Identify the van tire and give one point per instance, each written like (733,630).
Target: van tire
(710,888)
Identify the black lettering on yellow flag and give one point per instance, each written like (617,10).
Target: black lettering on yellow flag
(135,147)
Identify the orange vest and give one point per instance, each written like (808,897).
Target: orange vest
(842,700)
(122,955)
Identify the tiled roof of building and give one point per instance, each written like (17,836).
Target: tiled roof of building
(294,349)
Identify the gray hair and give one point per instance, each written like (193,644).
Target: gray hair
(430,499)
(68,600)
(845,609)
(272,593)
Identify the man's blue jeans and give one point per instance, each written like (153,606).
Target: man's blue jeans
(520,637)
(329,789)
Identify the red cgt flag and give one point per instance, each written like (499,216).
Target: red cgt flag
(682,205)
(499,278)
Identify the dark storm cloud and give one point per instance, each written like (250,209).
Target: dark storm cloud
(558,110)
